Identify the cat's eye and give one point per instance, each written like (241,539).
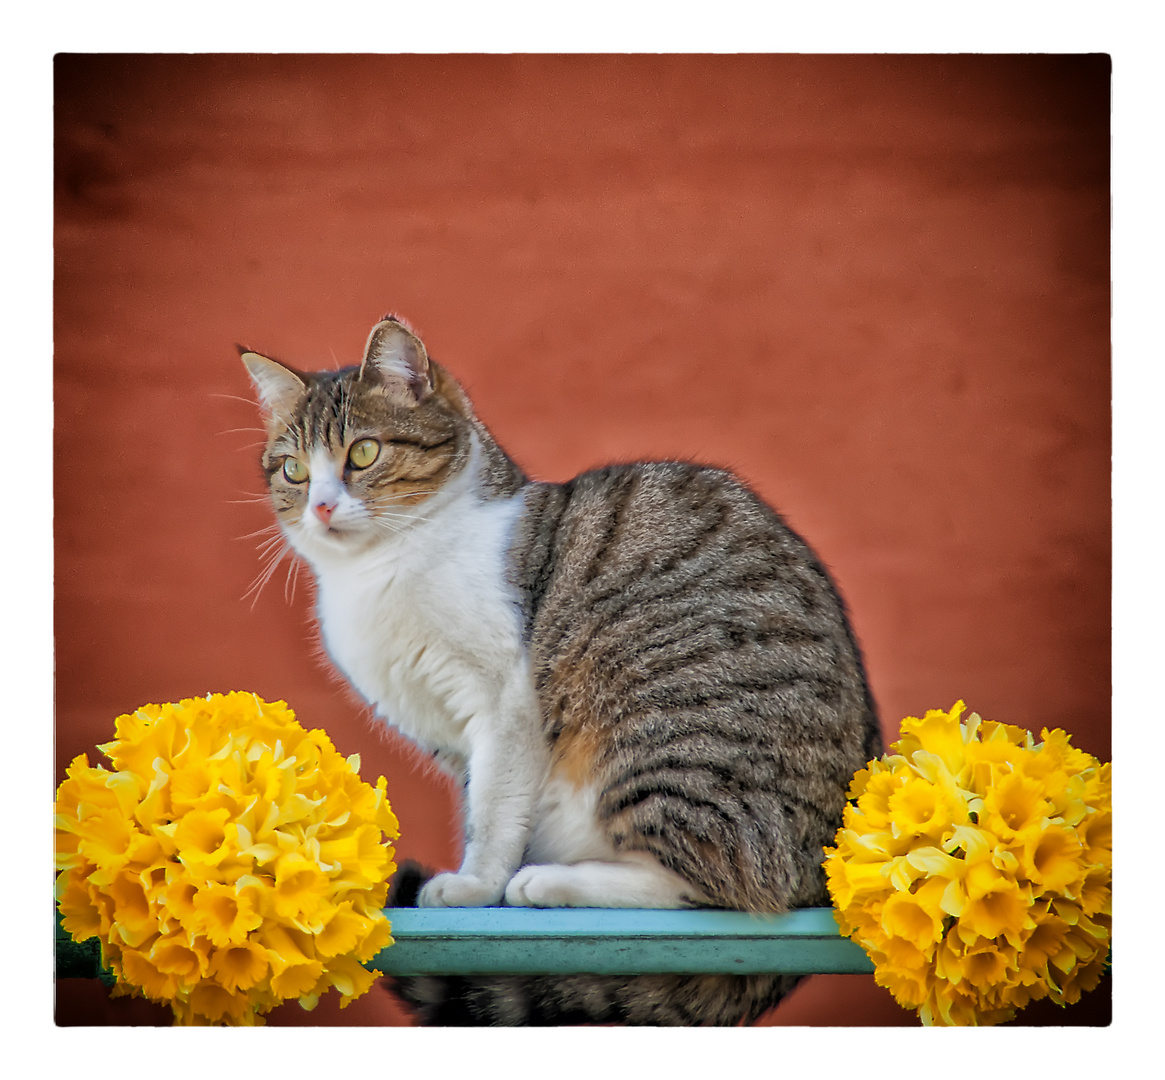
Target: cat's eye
(295,470)
(363,453)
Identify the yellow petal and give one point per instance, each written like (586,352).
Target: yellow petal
(915,917)
(937,733)
(224,914)
(349,977)
(240,966)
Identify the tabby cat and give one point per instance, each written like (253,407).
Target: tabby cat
(643,680)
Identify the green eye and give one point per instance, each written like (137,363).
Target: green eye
(295,470)
(363,453)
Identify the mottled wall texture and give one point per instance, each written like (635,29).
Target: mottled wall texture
(877,287)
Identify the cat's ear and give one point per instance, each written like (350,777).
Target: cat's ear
(394,350)
(279,387)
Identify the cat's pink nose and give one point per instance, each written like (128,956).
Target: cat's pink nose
(324,511)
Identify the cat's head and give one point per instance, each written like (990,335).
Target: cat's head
(353,454)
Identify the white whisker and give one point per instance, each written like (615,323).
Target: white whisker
(387,524)
(293,568)
(254,499)
(240,430)
(267,546)
(390,499)
(264,576)
(392,519)
(267,529)
(235,397)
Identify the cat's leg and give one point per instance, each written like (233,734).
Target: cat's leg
(637,880)
(507,762)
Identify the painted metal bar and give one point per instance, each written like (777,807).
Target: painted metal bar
(601,941)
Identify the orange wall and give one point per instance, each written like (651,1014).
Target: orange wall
(876,287)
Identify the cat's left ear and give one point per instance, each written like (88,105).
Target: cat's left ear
(279,387)
(394,350)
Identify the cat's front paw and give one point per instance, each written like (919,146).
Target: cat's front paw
(540,886)
(458,890)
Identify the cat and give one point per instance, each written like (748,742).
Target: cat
(643,680)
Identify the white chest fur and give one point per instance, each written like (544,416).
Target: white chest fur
(425,625)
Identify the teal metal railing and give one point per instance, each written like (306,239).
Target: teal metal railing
(601,941)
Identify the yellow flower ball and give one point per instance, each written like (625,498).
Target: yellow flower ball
(231,860)
(974,866)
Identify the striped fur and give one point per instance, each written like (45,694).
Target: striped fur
(685,695)
(697,647)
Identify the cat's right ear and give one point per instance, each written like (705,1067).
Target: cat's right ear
(279,387)
(396,352)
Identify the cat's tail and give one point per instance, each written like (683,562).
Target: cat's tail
(555,1000)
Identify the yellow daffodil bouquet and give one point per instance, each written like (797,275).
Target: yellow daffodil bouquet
(230,861)
(974,865)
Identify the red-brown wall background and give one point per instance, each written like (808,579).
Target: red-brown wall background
(877,287)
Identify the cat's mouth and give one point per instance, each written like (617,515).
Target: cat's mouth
(333,531)
(326,532)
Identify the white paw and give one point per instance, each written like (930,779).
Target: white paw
(637,882)
(540,886)
(458,890)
